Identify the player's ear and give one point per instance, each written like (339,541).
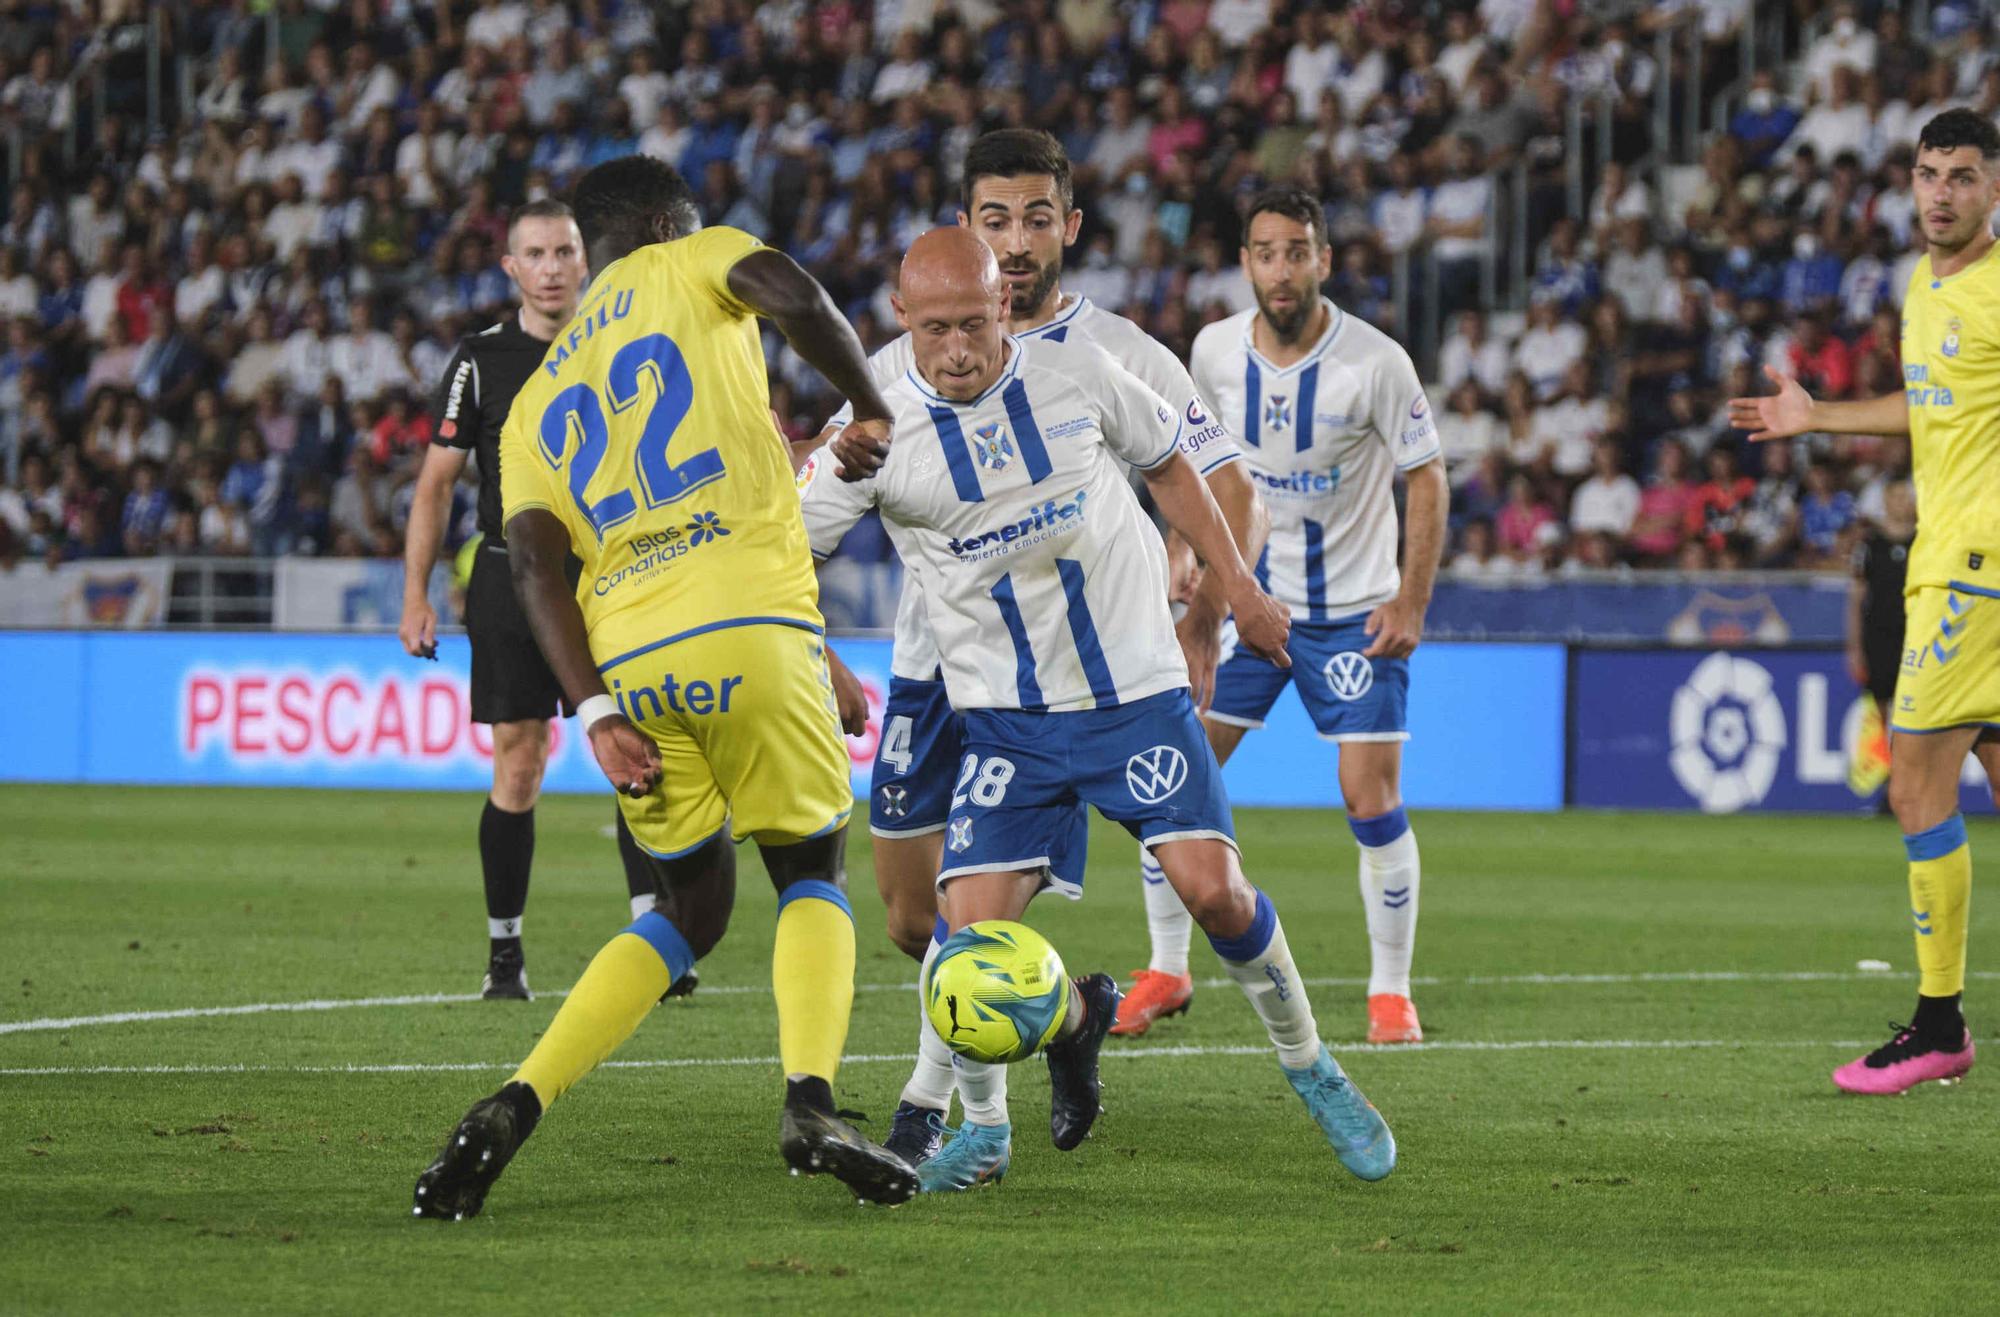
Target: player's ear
(1243,259)
(896,304)
(1325,261)
(964,220)
(507,264)
(1072,225)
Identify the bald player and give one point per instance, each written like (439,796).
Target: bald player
(1005,493)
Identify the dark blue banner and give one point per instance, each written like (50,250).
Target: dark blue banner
(1721,732)
(1670,612)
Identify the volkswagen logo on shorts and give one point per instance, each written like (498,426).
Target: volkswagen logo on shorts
(1349,675)
(895,801)
(1155,774)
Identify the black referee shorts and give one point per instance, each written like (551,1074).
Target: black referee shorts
(510,680)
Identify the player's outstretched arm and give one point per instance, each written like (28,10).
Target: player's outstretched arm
(429,508)
(537,545)
(772,284)
(1262,624)
(1792,411)
(1397,627)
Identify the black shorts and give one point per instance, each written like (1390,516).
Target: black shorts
(510,680)
(1884,652)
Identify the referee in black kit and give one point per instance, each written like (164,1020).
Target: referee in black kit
(512,687)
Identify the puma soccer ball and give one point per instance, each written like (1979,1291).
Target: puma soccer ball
(996,992)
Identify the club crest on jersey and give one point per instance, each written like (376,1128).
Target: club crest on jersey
(1277,411)
(993,446)
(1951,328)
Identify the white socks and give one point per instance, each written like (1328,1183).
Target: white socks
(503,928)
(982,1090)
(930,1083)
(642,904)
(1389,879)
(1261,964)
(1166,918)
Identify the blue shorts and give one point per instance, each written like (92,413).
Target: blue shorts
(1350,698)
(1026,777)
(918,759)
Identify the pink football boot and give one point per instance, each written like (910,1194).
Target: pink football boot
(1902,1063)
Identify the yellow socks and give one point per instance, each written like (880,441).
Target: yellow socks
(812,976)
(620,986)
(1940,899)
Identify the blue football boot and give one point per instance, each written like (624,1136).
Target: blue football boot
(1359,1135)
(915,1133)
(976,1155)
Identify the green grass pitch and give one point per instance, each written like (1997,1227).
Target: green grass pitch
(1625,1104)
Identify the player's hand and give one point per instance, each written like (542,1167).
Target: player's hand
(1262,625)
(1397,627)
(861,449)
(1201,645)
(419,629)
(1857,667)
(1778,416)
(627,755)
(849,700)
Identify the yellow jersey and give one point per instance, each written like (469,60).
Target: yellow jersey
(1951,381)
(647,431)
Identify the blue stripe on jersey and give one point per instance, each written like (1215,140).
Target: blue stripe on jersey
(1263,568)
(1025,685)
(1026,433)
(963,478)
(1084,631)
(1308,386)
(1315,570)
(1253,401)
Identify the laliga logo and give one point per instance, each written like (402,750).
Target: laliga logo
(1728,731)
(1153,775)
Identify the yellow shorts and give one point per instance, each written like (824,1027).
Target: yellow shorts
(1951,660)
(749,739)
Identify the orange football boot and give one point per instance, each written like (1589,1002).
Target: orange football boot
(1154,993)
(1393,1019)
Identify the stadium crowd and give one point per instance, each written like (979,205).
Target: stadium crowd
(222,335)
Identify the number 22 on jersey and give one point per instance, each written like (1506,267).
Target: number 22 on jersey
(578,412)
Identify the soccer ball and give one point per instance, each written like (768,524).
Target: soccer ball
(997,991)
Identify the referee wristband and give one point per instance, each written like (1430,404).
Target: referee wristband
(594,708)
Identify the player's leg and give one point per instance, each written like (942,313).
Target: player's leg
(645,888)
(1371,784)
(1944,700)
(1245,688)
(619,987)
(507,850)
(909,796)
(762,711)
(1151,769)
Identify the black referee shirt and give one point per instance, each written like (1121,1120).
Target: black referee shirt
(486,372)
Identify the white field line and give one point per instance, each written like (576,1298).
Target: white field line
(1125,1053)
(53,1023)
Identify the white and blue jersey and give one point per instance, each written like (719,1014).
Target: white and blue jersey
(1324,438)
(1045,585)
(1043,580)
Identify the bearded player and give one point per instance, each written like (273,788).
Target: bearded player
(1329,411)
(1947,701)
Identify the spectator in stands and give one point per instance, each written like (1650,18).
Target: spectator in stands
(1550,345)
(1608,502)
(1467,432)
(1522,520)
(1718,511)
(1456,224)
(1480,555)
(1566,429)
(1661,526)
(1817,358)
(1826,515)
(1471,353)
(1771,521)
